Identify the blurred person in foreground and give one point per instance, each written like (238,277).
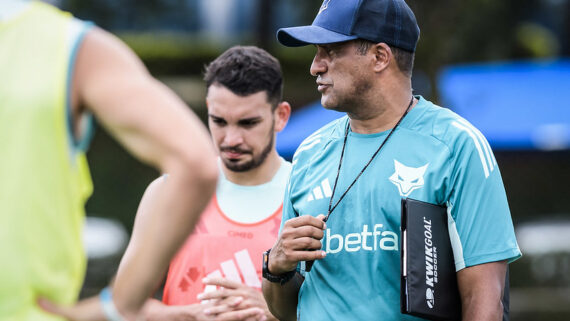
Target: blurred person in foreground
(390,145)
(56,72)
(216,275)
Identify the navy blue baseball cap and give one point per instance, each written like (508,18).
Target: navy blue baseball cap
(388,21)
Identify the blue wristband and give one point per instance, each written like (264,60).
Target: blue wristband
(109,309)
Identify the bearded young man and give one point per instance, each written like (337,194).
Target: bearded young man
(217,275)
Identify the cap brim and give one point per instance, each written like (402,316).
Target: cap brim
(309,35)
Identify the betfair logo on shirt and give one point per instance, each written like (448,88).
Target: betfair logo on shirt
(366,240)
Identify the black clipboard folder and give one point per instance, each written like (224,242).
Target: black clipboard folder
(428,279)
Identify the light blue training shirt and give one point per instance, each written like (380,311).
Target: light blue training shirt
(434,156)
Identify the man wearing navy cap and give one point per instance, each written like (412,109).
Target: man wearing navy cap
(343,201)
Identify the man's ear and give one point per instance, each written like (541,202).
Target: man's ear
(382,56)
(281,113)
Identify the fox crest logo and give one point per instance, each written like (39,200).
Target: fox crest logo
(407,178)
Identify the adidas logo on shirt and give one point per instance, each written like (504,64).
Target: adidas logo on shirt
(230,271)
(322,191)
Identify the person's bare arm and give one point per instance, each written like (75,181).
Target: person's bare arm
(139,111)
(159,129)
(282,299)
(298,241)
(481,288)
(152,123)
(90,309)
(155,310)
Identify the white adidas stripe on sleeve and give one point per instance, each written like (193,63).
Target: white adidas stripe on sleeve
(477,145)
(483,141)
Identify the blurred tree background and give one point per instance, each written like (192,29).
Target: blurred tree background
(176,38)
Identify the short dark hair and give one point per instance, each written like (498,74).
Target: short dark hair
(246,70)
(404,58)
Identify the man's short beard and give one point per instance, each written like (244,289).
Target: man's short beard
(255,161)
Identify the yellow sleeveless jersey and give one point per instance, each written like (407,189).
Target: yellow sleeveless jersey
(44,177)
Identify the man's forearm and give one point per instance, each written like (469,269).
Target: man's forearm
(481,288)
(155,310)
(282,299)
(482,308)
(157,234)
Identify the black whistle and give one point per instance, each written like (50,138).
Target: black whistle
(309,265)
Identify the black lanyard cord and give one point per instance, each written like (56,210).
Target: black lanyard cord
(331,207)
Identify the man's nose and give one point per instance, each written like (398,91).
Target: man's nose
(233,137)
(319,65)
